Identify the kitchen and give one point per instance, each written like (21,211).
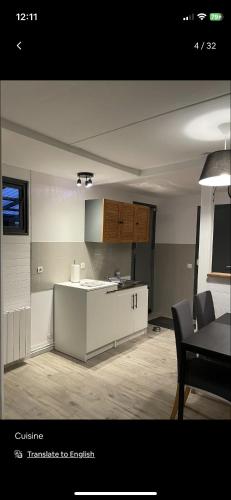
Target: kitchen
(73,268)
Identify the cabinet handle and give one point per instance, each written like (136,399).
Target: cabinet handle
(133,301)
(136,300)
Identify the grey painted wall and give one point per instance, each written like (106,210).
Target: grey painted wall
(56,258)
(173,281)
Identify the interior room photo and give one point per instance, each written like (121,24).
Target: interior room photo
(116,249)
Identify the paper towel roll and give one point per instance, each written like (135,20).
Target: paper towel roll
(75,273)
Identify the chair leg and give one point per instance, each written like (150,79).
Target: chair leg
(186,394)
(175,406)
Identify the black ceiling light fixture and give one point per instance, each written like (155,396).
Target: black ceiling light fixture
(88,179)
(217,167)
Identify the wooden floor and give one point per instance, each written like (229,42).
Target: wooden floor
(137,380)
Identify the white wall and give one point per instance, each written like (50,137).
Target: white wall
(220,288)
(57,209)
(41,320)
(57,206)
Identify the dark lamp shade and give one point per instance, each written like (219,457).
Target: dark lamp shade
(217,169)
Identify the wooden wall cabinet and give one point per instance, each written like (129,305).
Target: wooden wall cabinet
(141,223)
(110,221)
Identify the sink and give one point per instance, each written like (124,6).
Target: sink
(128,283)
(91,283)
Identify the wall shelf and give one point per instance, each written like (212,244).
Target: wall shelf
(219,275)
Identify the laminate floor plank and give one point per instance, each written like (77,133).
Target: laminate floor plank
(137,380)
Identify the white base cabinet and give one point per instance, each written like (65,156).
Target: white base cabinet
(89,322)
(132,311)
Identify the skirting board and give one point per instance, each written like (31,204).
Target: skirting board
(40,350)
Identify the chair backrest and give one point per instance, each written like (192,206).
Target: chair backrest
(204,308)
(183,326)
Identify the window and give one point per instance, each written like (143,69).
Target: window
(14,206)
(222,239)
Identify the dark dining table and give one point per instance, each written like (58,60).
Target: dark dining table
(212,341)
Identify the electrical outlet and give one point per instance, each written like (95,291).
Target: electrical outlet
(82,265)
(189,266)
(40,269)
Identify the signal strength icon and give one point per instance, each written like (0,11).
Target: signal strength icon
(202,16)
(189,18)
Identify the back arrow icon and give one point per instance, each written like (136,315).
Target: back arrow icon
(18,45)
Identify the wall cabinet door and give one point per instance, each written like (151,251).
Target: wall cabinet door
(141,223)
(141,309)
(111,226)
(126,222)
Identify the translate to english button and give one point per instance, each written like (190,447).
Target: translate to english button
(115,493)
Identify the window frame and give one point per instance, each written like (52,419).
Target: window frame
(215,244)
(23,229)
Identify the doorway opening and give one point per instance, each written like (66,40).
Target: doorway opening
(143,257)
(196,258)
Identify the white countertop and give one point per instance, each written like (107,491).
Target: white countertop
(89,284)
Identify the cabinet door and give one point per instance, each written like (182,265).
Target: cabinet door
(126,222)
(124,313)
(141,309)
(141,223)
(111,226)
(101,318)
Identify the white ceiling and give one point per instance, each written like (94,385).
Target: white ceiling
(74,112)
(157,142)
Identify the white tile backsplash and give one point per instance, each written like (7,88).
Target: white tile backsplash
(16,272)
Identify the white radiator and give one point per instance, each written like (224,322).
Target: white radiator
(17,334)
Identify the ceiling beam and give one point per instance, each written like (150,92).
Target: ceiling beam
(173,167)
(45,139)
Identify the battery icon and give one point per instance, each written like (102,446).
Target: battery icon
(216,16)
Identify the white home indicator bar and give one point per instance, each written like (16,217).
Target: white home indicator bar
(115,493)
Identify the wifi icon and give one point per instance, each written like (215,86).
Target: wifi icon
(201,16)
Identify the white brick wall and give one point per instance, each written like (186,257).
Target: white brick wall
(16,272)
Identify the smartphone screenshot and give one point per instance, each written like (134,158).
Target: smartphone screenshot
(115,339)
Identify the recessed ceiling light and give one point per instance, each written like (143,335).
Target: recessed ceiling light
(206,127)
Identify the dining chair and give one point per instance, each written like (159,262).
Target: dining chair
(204,309)
(199,372)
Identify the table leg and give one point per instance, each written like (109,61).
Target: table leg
(181,386)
